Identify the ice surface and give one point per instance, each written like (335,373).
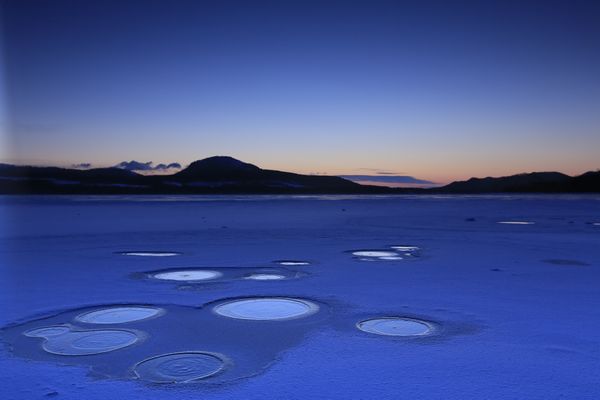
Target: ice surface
(118,315)
(266,308)
(505,317)
(179,367)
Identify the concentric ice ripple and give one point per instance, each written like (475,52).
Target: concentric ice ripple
(179,367)
(188,275)
(266,308)
(82,343)
(395,326)
(47,331)
(118,315)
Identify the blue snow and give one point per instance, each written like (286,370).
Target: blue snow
(516,306)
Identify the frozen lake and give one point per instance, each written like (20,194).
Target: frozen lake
(464,297)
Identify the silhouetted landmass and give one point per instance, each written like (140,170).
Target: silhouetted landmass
(226,175)
(536,182)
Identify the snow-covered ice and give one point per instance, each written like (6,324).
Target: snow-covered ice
(514,308)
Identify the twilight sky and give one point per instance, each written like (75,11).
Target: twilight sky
(439,90)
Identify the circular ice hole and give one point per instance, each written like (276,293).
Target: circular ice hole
(81,343)
(267,308)
(151,253)
(292,262)
(47,331)
(374,253)
(118,315)
(179,367)
(265,277)
(395,326)
(405,248)
(188,275)
(516,222)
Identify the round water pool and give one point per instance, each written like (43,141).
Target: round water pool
(188,275)
(266,308)
(265,277)
(118,315)
(395,326)
(179,367)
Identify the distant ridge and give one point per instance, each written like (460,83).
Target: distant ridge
(227,175)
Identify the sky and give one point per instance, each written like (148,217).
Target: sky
(435,90)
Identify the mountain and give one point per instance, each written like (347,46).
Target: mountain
(211,175)
(226,175)
(533,182)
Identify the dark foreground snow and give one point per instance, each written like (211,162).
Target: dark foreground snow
(513,308)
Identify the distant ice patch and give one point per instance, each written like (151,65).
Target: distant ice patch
(290,263)
(392,253)
(266,308)
(118,315)
(395,326)
(179,367)
(265,277)
(516,222)
(151,253)
(406,248)
(188,275)
(374,253)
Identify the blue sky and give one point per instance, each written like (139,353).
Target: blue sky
(433,89)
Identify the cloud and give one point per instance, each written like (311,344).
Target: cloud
(82,166)
(146,166)
(386,178)
(377,171)
(169,166)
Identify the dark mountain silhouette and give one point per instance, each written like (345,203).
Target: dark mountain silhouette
(211,175)
(533,182)
(226,175)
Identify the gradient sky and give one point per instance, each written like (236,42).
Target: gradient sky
(439,90)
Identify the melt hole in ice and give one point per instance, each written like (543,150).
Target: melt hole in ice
(291,262)
(265,277)
(516,222)
(266,308)
(179,367)
(406,249)
(188,275)
(83,343)
(150,253)
(395,326)
(118,315)
(374,253)
(47,331)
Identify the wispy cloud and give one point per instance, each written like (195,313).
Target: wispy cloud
(388,178)
(146,166)
(82,166)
